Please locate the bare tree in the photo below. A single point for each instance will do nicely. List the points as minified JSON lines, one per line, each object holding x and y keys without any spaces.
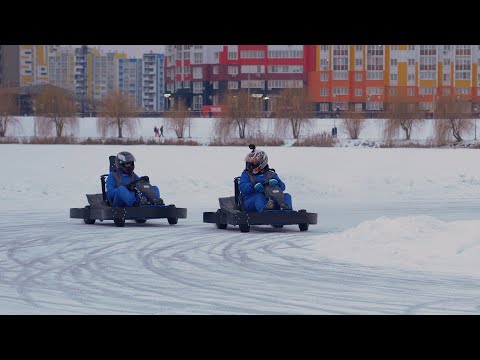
{"x":353,"y":123}
{"x":293,"y":110}
{"x":8,"y":108}
{"x":117,"y":113}
{"x":55,"y":110}
{"x":401,"y":114}
{"x":237,"y":114}
{"x":453,"y":117}
{"x":178,"y":118}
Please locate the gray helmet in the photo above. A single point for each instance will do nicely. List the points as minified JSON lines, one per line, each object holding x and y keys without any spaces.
{"x":125,"y":162}
{"x":256,"y":161}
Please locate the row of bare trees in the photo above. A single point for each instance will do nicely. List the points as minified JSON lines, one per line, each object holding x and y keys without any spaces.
{"x":292,"y":111}
{"x":8,"y":106}
{"x":56,"y":112}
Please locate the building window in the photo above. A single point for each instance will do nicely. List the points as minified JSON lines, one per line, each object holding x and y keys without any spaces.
{"x":232,"y":55}
{"x":358,"y":77}
{"x":324,"y":92}
{"x":340,"y":91}
{"x":197,"y":73}
{"x":323,"y":77}
{"x":197,"y":87}
{"x":340,"y":75}
{"x":216,"y":70}
{"x":233,"y":85}
{"x":233,"y":70}
{"x":358,"y":92}
{"x":198,"y":58}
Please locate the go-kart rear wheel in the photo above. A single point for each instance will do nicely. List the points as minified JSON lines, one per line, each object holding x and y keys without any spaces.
{"x":140,"y":221}
{"x":244,"y":227}
{"x":119,"y":222}
{"x":172,"y":220}
{"x":221,"y":226}
{"x":303,"y":227}
{"x":88,"y":221}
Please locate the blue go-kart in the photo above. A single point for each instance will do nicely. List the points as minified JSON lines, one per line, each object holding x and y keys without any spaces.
{"x":100,"y":208}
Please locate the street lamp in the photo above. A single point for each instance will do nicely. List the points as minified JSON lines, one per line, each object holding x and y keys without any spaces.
{"x":189,"y":120}
{"x":334,"y":109}
{"x":248,"y":87}
{"x":475,"y":121}
{"x":34,"y":122}
{"x":167,"y":100}
{"x":266,"y":98}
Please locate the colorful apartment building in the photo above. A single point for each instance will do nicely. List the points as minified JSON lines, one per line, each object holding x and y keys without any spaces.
{"x":61,"y":67}
{"x":153,"y":82}
{"x":199,"y":74}
{"x":364,"y":77}
{"x":102,"y":72}
{"x":129,"y":79}
{"x":22,"y":65}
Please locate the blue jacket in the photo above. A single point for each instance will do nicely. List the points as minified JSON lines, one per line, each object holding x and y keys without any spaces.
{"x":111,"y":183}
{"x":245,"y":185}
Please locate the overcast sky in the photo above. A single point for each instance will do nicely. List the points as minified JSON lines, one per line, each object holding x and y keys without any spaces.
{"x":133,"y":50}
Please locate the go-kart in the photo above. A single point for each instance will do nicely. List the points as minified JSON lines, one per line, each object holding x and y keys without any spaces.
{"x":151,"y":207}
{"x":232,"y":212}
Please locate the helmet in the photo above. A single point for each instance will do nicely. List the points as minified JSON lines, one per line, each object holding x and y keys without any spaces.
{"x":256,"y":161}
{"x":125,"y":162}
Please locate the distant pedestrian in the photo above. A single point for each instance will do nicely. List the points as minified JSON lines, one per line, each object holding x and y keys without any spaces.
{"x":161,"y":131}
{"x":209,"y":113}
{"x":155,"y":131}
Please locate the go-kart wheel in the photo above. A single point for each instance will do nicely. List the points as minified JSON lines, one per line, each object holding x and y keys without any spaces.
{"x":88,"y":221}
{"x":119,"y":222}
{"x":172,"y":220}
{"x":244,"y":227}
{"x":221,"y":226}
{"x":303,"y":227}
{"x":140,"y":221}
{"x":277,"y":226}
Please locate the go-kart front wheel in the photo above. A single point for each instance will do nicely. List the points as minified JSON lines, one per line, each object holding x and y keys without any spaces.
{"x":244,"y":227}
{"x":172,"y":220}
{"x":119,"y":222}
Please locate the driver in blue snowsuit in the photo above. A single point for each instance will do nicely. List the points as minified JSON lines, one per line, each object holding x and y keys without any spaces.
{"x":120,"y":182}
{"x":250,"y":185}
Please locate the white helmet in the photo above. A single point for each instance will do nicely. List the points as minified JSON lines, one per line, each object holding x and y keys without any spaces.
{"x":256,"y":161}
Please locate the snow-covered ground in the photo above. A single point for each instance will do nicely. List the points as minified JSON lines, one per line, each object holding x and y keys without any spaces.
{"x":398,"y":232}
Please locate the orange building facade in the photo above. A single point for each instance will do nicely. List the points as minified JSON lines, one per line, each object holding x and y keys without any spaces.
{"x":363,"y":77}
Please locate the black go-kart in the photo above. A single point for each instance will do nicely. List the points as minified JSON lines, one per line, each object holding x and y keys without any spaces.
{"x":151,"y":206}
{"x":232,"y":212}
